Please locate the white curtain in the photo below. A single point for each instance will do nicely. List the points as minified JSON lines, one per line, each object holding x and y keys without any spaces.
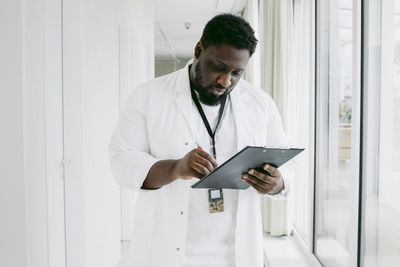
{"x":301,"y":116}
{"x":276,"y":44}
{"x":253,"y":72}
{"x":278,"y":39}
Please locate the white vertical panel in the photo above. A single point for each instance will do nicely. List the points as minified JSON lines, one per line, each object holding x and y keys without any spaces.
{"x":125,"y":86}
{"x":370,"y":131}
{"x":91,"y":105}
{"x":33,"y":104}
{"x":73,"y":31}
{"x":386,"y":195}
{"x":54,"y":133}
{"x":12,"y":185}
{"x":301,"y":123}
{"x":96,"y":80}
{"x":136,"y":42}
{"x":34,"y":132}
{"x":39,"y":143}
{"x":100,"y":113}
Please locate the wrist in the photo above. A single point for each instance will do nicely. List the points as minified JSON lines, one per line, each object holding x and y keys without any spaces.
{"x":278,"y":188}
{"x":175,"y":169}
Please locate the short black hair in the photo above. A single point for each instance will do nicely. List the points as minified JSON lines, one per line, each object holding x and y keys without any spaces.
{"x":229,"y":29}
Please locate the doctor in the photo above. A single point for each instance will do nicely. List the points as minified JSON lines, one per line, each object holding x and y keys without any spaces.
{"x":180,"y":127}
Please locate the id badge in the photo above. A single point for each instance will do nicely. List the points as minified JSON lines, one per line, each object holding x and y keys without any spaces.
{"x":215,"y":200}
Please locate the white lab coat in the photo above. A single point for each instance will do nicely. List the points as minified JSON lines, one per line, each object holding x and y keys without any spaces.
{"x":157,"y":123}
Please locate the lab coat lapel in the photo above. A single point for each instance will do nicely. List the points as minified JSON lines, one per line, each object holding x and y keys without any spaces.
{"x":183,"y":99}
{"x":239,"y":114}
{"x":245,"y":197}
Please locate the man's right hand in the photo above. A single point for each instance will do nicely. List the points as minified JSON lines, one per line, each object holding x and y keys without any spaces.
{"x":197,"y":163}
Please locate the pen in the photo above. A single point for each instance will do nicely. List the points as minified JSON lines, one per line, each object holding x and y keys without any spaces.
{"x":198,"y":146}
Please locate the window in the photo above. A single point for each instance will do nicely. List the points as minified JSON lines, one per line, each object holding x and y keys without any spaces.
{"x":357,"y":69}
{"x":381,"y":213}
{"x":338,"y":127}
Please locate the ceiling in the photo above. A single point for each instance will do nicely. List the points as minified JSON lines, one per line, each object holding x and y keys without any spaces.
{"x":172,"y":38}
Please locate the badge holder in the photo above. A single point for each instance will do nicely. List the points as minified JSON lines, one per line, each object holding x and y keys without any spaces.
{"x":215,"y":200}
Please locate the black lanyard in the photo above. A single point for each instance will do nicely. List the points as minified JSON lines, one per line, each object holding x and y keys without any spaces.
{"x":204,"y":118}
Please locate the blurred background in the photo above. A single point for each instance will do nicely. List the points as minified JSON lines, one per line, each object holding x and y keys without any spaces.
{"x":67,"y":66}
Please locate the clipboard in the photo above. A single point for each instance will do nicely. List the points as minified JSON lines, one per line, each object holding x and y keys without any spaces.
{"x":229,"y":174}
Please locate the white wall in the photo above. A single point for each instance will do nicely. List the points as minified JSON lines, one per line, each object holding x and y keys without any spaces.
{"x":32,"y":150}
{"x":12,"y":184}
{"x":91,"y":106}
{"x":56,"y":103}
{"x":108,"y":49}
{"x":136,"y":24}
{"x":43,"y":151}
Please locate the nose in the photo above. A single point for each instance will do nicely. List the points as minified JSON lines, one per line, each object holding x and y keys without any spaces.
{"x":225,"y":80}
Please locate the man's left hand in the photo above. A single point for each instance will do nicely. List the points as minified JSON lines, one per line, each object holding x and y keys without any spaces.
{"x":264,"y":183}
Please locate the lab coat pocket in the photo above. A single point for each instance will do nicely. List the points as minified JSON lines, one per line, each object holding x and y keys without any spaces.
{"x":147,"y":199}
{"x":143,"y":225}
{"x":145,"y":210}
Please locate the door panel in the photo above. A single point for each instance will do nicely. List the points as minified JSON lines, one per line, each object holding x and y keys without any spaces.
{"x":91,"y":106}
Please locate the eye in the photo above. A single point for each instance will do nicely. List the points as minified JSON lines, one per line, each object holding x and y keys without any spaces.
{"x":219,"y":68}
{"x":237,"y":73}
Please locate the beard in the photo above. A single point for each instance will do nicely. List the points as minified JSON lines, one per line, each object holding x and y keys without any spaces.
{"x":205,"y":94}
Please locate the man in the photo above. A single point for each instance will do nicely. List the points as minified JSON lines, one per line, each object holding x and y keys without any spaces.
{"x":180,"y":127}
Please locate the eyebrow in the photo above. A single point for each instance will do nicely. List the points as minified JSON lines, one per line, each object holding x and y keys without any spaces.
{"x":219,"y":62}
{"x":216,"y":61}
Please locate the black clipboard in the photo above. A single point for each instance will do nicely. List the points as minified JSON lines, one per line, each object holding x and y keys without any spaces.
{"x":229,"y":174}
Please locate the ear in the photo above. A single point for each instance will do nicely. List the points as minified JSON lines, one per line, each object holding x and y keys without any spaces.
{"x":198,"y":49}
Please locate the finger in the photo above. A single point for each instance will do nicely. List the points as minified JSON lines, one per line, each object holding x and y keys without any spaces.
{"x":257,"y":187}
{"x":261,"y":176}
{"x":205,"y":162}
{"x":272,"y":170}
{"x":207,"y":156}
{"x":196,"y":174}
{"x":255,"y":180}
{"x":200,"y":169}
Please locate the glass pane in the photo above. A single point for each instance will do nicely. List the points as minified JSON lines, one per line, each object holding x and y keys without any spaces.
{"x":381,"y":231}
{"x":389,"y":169}
{"x":337,"y":176}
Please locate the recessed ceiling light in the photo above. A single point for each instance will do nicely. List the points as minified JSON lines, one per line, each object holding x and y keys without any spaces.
{"x":187,"y":25}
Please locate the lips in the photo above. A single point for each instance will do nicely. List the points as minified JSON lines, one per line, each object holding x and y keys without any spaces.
{"x":218,"y":92}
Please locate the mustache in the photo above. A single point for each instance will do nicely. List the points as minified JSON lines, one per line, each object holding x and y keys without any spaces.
{"x":218,"y":86}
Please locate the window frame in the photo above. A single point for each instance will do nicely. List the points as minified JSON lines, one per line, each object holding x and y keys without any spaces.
{"x":322,"y":80}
